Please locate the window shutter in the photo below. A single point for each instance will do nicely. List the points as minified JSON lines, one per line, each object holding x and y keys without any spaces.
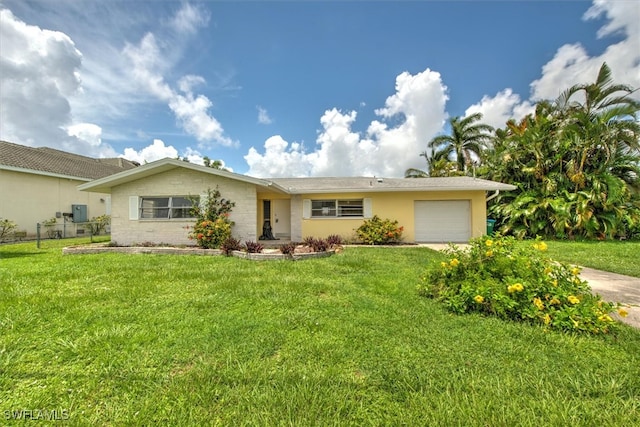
{"x":133,"y":207}
{"x":203,"y":200}
{"x":306,"y":208}
{"x":367,"y":208}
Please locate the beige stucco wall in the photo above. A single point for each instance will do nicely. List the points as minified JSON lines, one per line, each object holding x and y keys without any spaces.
{"x":395,"y":206}
{"x":179,"y":182}
{"x":27,"y":199}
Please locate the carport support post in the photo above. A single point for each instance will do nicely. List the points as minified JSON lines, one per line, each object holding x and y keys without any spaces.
{"x":38,"y":235}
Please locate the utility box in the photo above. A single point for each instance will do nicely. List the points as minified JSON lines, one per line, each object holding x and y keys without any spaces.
{"x":79,"y":213}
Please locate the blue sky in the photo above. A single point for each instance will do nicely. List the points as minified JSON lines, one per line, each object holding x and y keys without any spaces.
{"x":324,"y":88}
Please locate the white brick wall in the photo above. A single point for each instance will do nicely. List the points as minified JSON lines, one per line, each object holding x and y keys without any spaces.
{"x":179,"y":182}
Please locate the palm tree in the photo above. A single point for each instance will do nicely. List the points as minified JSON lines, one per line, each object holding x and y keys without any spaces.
{"x":437,"y":165}
{"x":467,"y":139}
{"x":215,"y":164}
{"x":576,"y":162}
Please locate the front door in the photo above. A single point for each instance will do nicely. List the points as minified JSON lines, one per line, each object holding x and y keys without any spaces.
{"x":281,"y":218}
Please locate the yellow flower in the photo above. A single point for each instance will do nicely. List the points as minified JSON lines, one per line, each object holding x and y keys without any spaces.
{"x":538,"y":303}
{"x":572,"y":299}
{"x":517,"y":287}
{"x":605,"y":318}
{"x":489,"y":253}
{"x":546,"y":319}
{"x":489,"y":243}
{"x":576,"y":281}
{"x":622,"y":312}
{"x":541,"y":246}
{"x":554,"y":301}
{"x":443,"y":264}
{"x":555,"y":282}
{"x":547,"y":270}
{"x":454,"y":262}
{"x":575,"y":271}
{"x":479,"y":299}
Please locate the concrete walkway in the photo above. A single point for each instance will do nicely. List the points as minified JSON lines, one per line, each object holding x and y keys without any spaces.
{"x":610,"y":286}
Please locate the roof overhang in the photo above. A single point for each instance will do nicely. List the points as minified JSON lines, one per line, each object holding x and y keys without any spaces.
{"x":389,"y":185}
{"x":104,"y":185}
{"x":42,"y":173}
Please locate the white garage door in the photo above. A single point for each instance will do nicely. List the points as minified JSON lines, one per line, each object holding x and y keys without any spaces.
{"x":443,"y":220}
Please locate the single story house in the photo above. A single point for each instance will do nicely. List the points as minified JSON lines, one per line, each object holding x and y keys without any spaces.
{"x":149,"y":204}
{"x":41,"y":183}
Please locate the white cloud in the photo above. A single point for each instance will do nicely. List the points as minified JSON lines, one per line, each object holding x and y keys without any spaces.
{"x":40,"y":73}
{"x":189,"y":18}
{"x":88,"y":132}
{"x":418,"y":102}
{"x":151,"y":153}
{"x":280,"y":159}
{"x":263,"y":116}
{"x":497,"y":110}
{"x":191,"y":111}
{"x":573,"y":65}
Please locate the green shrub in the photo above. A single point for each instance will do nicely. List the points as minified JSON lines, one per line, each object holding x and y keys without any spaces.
{"x":6,"y":227}
{"x":213,"y":226}
{"x":499,"y":278}
{"x":376,"y":231}
{"x":99,"y":224}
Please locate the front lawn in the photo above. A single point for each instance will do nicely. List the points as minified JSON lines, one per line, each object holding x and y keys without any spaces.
{"x":185,"y":340}
{"x":615,"y":256}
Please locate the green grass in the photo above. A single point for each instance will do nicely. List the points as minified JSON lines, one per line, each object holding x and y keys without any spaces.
{"x":176,"y":340}
{"x":617,"y":257}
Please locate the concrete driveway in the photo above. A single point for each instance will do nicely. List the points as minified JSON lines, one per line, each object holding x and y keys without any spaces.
{"x":611,"y":287}
{"x":616,"y":288}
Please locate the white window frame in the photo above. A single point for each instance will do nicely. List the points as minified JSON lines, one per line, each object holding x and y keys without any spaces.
{"x":171,"y":210}
{"x":336,"y":208}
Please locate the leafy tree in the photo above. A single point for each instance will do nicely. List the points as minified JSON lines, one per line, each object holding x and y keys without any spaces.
{"x":438,"y":164}
{"x":213,"y":226}
{"x":6,"y":227}
{"x":215,"y":164}
{"x":576,"y":163}
{"x":466,"y":141}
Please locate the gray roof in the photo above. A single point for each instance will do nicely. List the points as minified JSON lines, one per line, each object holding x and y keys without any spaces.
{"x":48,"y":161}
{"x":309,"y":185}
{"x":373,"y":184}
{"x":104,"y":185}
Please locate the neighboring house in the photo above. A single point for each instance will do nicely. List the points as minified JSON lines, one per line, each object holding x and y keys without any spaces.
{"x":38,"y":184}
{"x":148,"y":204}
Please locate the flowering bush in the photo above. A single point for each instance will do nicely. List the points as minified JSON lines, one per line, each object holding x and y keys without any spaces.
{"x":517,"y":282}
{"x":376,"y":231}
{"x":213,"y":226}
{"x":211,"y":234}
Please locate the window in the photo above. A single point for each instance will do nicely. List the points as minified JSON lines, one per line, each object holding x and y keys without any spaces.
{"x":172,"y":207}
{"x":336,"y":208}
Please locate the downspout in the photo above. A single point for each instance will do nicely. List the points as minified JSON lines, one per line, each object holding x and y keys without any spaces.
{"x":493,"y":196}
